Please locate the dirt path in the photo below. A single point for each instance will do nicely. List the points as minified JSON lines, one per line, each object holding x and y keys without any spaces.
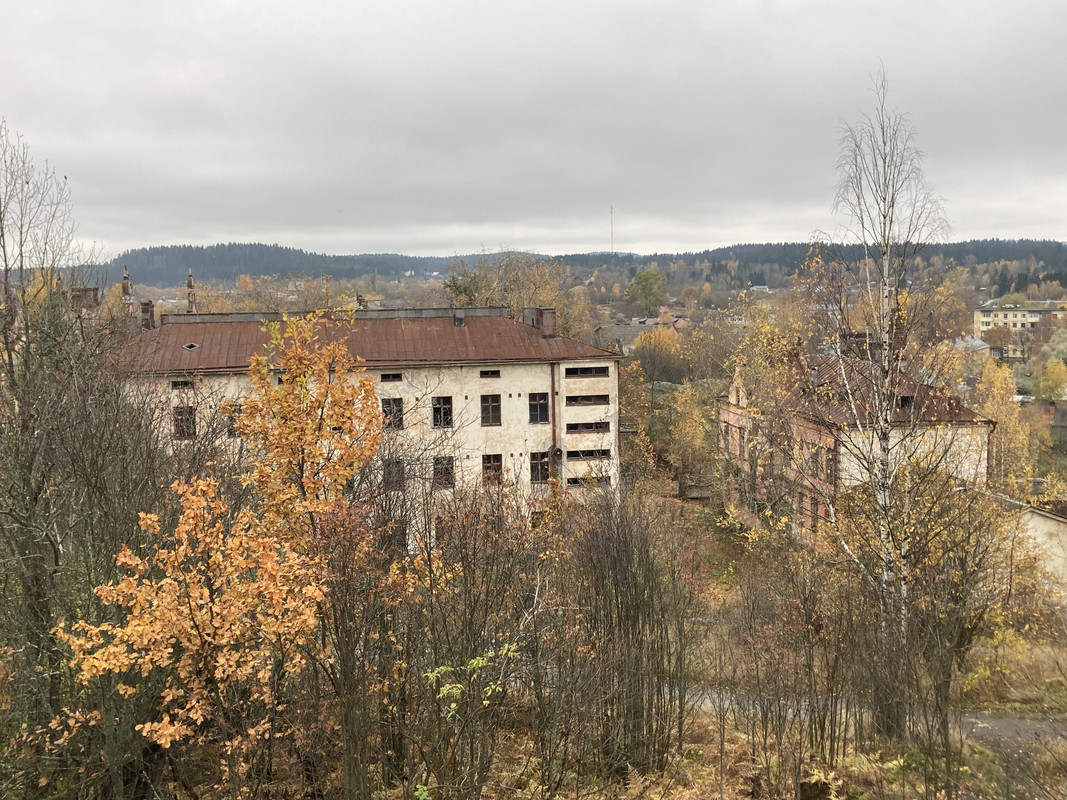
{"x":1021,"y":744}
{"x":991,"y":728}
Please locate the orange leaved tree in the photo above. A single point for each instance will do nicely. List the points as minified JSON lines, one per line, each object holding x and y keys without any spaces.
{"x":310,"y":422}
{"x":224,"y":608}
{"x":229,"y":605}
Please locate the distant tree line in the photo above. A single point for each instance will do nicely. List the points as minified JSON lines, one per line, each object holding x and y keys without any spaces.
{"x":743,"y":264}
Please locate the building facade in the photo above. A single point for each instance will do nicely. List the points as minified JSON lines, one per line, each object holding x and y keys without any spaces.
{"x":1021,"y":322}
{"x":468,"y":395}
{"x":821,"y":440}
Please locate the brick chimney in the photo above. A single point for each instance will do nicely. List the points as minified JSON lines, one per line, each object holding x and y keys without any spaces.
{"x":544,"y":319}
{"x":148,"y":315}
{"x":191,"y":293}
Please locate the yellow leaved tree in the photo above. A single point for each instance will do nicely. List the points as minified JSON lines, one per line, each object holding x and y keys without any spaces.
{"x":1016,"y":440}
{"x":310,"y":422}
{"x":229,"y":604}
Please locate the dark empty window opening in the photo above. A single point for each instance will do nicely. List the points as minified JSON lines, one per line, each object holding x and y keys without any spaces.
{"x":588,"y":427}
{"x":392,"y":377}
{"x":592,"y":480}
{"x":587,"y":372}
{"x":587,"y":399}
{"x":392,"y":474}
{"x":393,"y":409}
{"x":587,"y":455}
{"x":490,"y":409}
{"x":232,"y":411}
{"x":190,"y":346}
{"x":442,"y":411}
{"x":905,"y":401}
{"x":444,"y":472}
{"x":538,"y":407}
{"x":492,"y":467}
{"x":538,"y":467}
{"x":181,"y":384}
{"x":184,"y":422}
{"x":489,"y":373}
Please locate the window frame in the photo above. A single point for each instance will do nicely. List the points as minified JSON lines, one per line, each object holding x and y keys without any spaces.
{"x":394,"y":419}
{"x":444,"y":472}
{"x":183,"y":420}
{"x":538,"y":403}
{"x":539,"y":466}
{"x":596,"y":454}
{"x":587,"y":372}
{"x":589,"y":481}
{"x":492,"y":468}
{"x":588,"y":400}
{"x":597,"y":426}
{"x":491,"y":416}
{"x":232,"y":413}
{"x":441,"y":409}
{"x":394,"y":474}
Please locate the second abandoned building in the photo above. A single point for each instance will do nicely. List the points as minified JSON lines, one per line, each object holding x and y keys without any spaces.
{"x":819,"y":437}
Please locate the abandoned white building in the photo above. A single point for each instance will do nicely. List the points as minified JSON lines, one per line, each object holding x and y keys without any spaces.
{"x":468,"y":394}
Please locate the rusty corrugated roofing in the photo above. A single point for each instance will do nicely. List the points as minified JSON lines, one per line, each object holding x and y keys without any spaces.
{"x":227,"y":345}
{"x":846,"y":388}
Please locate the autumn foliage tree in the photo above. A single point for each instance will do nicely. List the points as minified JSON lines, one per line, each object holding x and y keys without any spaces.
{"x":519,"y":280}
{"x":228,"y":605}
{"x":1014,"y":443}
{"x":648,"y":290}
{"x":310,"y":420}
{"x":224,"y":609}
{"x":878,"y":308}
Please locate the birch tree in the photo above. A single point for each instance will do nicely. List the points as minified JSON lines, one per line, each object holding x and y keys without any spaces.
{"x":875,"y":310}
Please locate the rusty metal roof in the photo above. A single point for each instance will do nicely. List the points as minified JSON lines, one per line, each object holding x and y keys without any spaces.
{"x":224,"y":344}
{"x":846,"y":393}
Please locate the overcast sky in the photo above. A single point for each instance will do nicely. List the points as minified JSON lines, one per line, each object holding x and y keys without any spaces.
{"x":442,"y":127}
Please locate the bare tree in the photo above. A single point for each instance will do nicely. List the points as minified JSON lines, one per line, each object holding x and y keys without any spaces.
{"x":79,"y":457}
{"x":877,"y":307}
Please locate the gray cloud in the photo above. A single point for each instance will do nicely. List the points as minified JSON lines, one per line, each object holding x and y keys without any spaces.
{"x":428,"y":127}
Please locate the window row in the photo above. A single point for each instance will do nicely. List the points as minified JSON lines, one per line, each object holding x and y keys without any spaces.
{"x":394,"y":473}
{"x":184,"y":417}
{"x":441,"y":411}
{"x":570,"y":372}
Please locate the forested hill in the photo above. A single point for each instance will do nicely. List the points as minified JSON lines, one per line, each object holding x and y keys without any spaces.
{"x":168,"y":266}
{"x":758,"y":263}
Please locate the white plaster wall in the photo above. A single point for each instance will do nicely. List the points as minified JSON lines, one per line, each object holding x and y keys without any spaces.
{"x":467,"y":440}
{"x":961,"y":450}
{"x":1050,"y":534}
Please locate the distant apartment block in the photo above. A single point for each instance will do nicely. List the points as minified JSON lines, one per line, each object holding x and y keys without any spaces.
{"x":1020,"y":321}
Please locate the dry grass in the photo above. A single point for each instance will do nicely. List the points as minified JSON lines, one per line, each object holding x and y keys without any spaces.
{"x":1029,"y":677}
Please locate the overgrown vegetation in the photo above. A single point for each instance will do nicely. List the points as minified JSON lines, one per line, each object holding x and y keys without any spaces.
{"x":279,"y":625}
